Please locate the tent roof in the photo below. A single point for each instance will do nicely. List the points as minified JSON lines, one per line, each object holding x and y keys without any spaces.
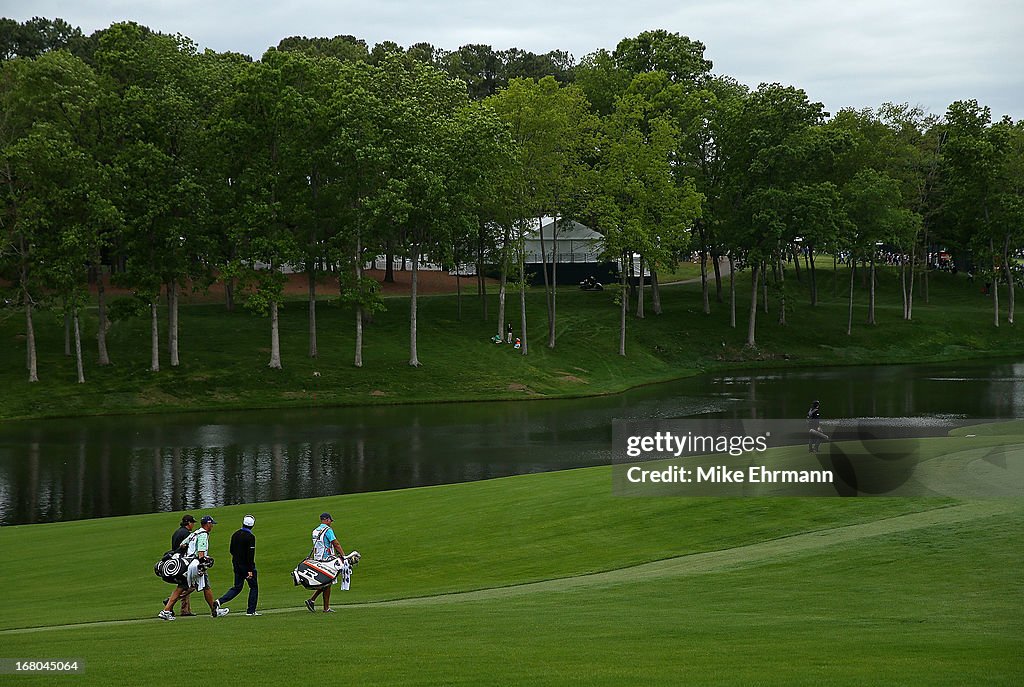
{"x":567,"y":229}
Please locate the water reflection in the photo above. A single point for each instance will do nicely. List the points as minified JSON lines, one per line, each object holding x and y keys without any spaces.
{"x":71,"y":469}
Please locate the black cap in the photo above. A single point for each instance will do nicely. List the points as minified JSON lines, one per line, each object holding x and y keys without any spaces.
{"x":187,"y":518}
{"x":208,"y":519}
{"x":326,"y":516}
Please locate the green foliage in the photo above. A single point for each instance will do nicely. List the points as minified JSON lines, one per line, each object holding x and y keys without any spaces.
{"x":129,"y":307}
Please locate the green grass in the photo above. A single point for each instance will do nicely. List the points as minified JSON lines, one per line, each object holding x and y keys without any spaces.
{"x":224,"y":354}
{"x":872,"y":602}
{"x":684,"y":271}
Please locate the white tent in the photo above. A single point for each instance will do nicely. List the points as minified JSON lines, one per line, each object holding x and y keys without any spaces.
{"x":576,"y":243}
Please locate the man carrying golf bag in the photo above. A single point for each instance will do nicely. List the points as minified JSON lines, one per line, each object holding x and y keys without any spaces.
{"x":325,"y":564}
{"x":195,"y":575}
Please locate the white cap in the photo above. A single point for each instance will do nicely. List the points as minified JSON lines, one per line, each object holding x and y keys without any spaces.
{"x":248,"y":521}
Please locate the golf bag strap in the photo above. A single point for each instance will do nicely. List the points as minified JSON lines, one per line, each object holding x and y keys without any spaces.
{"x":183,"y":546}
{"x":312,"y":551}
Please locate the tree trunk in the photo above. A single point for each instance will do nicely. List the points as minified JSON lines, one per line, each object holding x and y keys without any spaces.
{"x":104,"y":324}
{"x":849,"y":319}
{"x":481,"y":279}
{"x":655,"y":293}
{"x":796,"y":260}
{"x":67,"y":327}
{"x":903,"y":286}
{"x":752,"y":322}
{"x":414,"y":360}
{"x":640,"y":292}
{"x":358,"y":266}
{"x":924,"y":276}
{"x":704,"y":281}
{"x":389,"y":265}
{"x":172,"y":320}
{"x":782,"y":292}
{"x":703,"y":266}
{"x":311,"y":272}
{"x":995,"y":285}
{"x":835,"y":275}
{"x":764,"y":285}
{"x":30,"y":341}
{"x":871,"y":293}
{"x":814,"y":276}
{"x":458,"y":292}
{"x":154,"y":329}
{"x":716,"y":260}
{"x":522,"y":301}
{"x":1009,"y":278}
{"x":229,"y":294}
{"x":910,"y":288}
{"x":544,"y":268}
{"x":78,"y":348}
{"x":554,"y":282}
{"x":503,"y":282}
{"x":275,"y":339}
{"x":732,"y":292}
{"x":633,"y":283}
{"x":622,"y":309}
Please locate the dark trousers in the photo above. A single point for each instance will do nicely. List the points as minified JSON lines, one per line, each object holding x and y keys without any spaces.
{"x":241,"y":577}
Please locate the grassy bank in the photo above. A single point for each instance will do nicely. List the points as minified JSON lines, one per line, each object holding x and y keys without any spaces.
{"x":549,"y":579}
{"x":224,"y":354}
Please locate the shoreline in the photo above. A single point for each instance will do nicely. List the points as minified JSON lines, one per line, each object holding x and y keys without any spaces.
{"x":383,"y":401}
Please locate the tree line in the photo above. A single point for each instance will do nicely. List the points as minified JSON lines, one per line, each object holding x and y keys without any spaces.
{"x":136,"y":150}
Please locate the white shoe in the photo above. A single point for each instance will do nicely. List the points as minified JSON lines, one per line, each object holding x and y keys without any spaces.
{"x":254,"y":613}
{"x":165,"y":615}
{"x":221,"y":612}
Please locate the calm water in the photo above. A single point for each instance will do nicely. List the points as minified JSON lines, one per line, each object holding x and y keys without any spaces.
{"x":83,"y":468}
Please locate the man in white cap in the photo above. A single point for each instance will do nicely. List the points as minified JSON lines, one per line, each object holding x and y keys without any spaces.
{"x":243,"y":559}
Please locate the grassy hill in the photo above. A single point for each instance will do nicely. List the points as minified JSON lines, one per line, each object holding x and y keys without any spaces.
{"x":224,"y":354}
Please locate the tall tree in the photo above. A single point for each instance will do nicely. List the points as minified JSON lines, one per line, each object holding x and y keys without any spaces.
{"x":419,"y":171}
{"x":983,"y":200}
{"x":551,"y":125}
{"x":632,"y":197}
{"x":874,"y":207}
{"x":156,"y":81}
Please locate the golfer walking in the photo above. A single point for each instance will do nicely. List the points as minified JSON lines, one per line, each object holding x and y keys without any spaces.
{"x":243,"y":560}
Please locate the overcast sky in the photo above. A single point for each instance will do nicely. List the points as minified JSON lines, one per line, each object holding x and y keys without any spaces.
{"x":844,"y":53}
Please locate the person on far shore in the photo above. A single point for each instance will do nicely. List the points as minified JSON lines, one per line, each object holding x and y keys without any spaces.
{"x":814,"y":434}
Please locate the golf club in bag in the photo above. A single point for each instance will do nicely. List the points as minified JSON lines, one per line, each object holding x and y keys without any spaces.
{"x":314,"y":574}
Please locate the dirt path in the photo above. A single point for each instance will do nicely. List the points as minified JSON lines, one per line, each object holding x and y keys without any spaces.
{"x":737,"y":558}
